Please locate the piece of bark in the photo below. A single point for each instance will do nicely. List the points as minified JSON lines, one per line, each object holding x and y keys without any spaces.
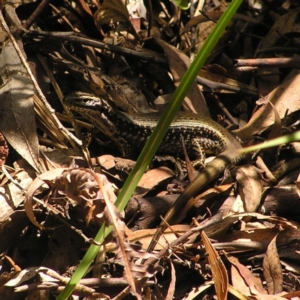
{"x":145,"y":212}
{"x":283,"y":201}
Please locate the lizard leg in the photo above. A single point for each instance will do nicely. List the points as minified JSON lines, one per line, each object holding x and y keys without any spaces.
{"x":198,"y":153}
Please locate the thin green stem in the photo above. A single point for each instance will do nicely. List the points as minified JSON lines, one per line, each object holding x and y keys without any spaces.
{"x":293,"y":137}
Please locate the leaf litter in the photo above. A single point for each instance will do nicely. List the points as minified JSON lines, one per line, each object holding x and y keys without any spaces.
{"x":244,"y":237}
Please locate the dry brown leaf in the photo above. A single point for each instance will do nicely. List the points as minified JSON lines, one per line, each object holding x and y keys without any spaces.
{"x":290,"y":295}
{"x":145,"y":236}
{"x":126,"y":94}
{"x":243,"y":280}
{"x":266,"y":297}
{"x":284,"y":200}
{"x":268,"y":175}
{"x":78,"y":185}
{"x":218,"y":224}
{"x":272,"y":269}
{"x":35,"y":185}
{"x":285,"y":98}
{"x":196,"y":291}
{"x":298,"y":185}
{"x":107,"y":161}
{"x":11,"y":196}
{"x":210,"y":193}
{"x":171,"y":288}
{"x":233,"y":291}
{"x":261,"y":237}
{"x":284,"y":169}
{"x":17,"y":106}
{"x":238,"y":281}
{"x":215,"y":191}
{"x":59,"y":158}
{"x":281,"y":222}
{"x":144,"y":212}
{"x":276,"y":129}
{"x":85,"y":7}
{"x":142,"y":271}
{"x":212,"y":15}
{"x":111,"y":11}
{"x":250,"y":187}
{"x":218,"y":269}
{"x":95,"y":81}
{"x":179,"y":62}
{"x":155,"y":176}
{"x":284,"y":26}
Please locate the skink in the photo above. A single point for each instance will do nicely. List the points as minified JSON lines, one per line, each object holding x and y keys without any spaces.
{"x":130,"y":132}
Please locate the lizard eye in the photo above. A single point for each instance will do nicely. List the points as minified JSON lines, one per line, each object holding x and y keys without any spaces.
{"x":90,"y":101}
{"x":86,"y":100}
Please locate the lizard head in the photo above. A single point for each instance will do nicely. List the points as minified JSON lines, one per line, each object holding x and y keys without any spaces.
{"x":84,"y":102}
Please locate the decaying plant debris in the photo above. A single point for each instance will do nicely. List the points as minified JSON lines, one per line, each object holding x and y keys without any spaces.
{"x":61,"y":176}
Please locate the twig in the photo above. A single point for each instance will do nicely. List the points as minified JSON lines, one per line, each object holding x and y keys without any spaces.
{"x":41,"y":7}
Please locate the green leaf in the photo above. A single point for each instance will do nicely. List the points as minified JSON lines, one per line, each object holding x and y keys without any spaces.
{"x":293,"y":137}
{"x":183,"y":4}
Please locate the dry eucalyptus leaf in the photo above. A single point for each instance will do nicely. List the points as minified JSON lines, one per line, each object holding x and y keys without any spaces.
{"x":285,"y":26}
{"x":23,"y":276}
{"x":243,"y":280}
{"x":59,"y":158}
{"x":219,"y":272}
{"x":250,"y":187}
{"x":144,"y":236}
{"x":179,"y":63}
{"x":267,"y":297}
{"x":112,"y":11}
{"x":261,"y":237}
{"x":94,"y":79}
{"x":198,"y":19}
{"x":126,"y":94}
{"x":35,"y":185}
{"x":171,"y":289}
{"x":17,"y":120}
{"x":285,"y":98}
{"x":272,"y":269}
{"x":11,"y":196}
{"x":276,"y":130}
{"x":155,"y":176}
{"x":298,"y":185}
{"x":238,"y":281}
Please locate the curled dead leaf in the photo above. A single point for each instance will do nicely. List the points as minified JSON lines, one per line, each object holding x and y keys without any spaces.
{"x":35,"y":185}
{"x":80,"y":188}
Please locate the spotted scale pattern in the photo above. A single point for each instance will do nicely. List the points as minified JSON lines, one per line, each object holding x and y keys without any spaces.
{"x":130,"y":132}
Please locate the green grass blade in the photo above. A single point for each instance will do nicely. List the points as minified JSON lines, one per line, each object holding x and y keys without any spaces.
{"x":293,"y":137}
